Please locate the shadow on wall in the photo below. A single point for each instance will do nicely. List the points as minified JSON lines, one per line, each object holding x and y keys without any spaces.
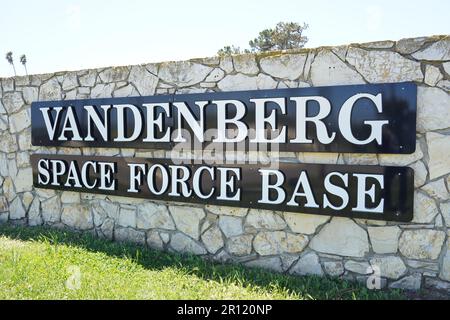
{"x":306,"y":287}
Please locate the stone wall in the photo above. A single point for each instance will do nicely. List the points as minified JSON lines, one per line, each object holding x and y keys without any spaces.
{"x":408,"y":255}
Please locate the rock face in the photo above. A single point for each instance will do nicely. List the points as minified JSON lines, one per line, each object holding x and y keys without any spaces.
{"x":341,"y":237}
{"x":304,"y":223}
{"x":421,"y":244}
{"x":383,"y":66}
{"x":425,"y":209}
{"x":308,"y":264}
{"x":445,"y":272}
{"x":151,"y":215}
{"x":264,"y":219}
{"x":213,"y":240}
{"x":437,"y":51}
{"x":384,"y":239}
{"x":390,"y":267}
{"x":183,"y":73}
{"x":184,"y":244}
{"x":412,"y":255}
{"x":289,"y":66}
{"x":12,"y":101}
{"x":187,"y":220}
{"x":277,"y":242}
{"x":439,"y":163}
{"x":432,"y":111}
{"x":327,"y":70}
{"x":78,"y":217}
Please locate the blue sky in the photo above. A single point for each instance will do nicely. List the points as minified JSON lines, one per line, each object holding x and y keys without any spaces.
{"x":61,"y":35}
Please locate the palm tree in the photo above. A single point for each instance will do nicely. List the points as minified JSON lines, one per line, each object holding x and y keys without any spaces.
{"x":23,"y":60}
{"x":9,"y":57}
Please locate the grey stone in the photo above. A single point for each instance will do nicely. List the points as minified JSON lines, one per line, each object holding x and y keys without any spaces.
{"x":30,"y":94}
{"x":70,"y":197}
{"x":187,"y":219}
{"x":126,"y":91}
{"x":77,"y":216}
{"x":445,"y":270}
{"x":436,"y":284}
{"x":69,"y":81}
{"x":264,"y":219}
{"x":445,"y":210}
{"x":246,"y":64}
{"x":425,"y":209}
{"x":420,"y":173}
{"x":432,"y":109}
{"x":4,"y":207}
{"x":226,"y":64}
{"x":342,"y":237}
{"x":412,"y":282}
{"x":212,"y":239}
{"x":270,"y":263}
{"x":410,"y":45}
{"x":16,"y":209}
{"x":114,"y":74}
{"x":277,"y":242}
{"x":420,"y":264}
{"x":439,"y":162}
{"x":287,"y":66}
{"x":184,"y":244}
{"x":386,"y":44}
{"x":230,"y":226}
{"x":129,"y":235}
{"x":183,"y":73}
{"x":437,"y":51}
{"x":152,"y":215}
{"x":304,"y":223}
{"x":333,"y":268}
{"x":383,"y":66}
{"x":432,"y":75}
{"x":384,"y":239}
{"x":437,"y":189}
{"x":34,"y":213}
{"x":391,"y":267}
{"x":9,"y":142}
{"x":361,"y":267}
{"x":13,"y":101}
{"x":102,"y":90}
{"x":50,"y":90}
{"x":240,"y":245}
{"x":88,"y":80}
{"x":24,"y":180}
{"x":154,"y":240}
{"x":51,"y":210}
{"x":215,"y":75}
{"x":144,"y":81}
{"x":228,"y":211}
{"x":421,"y":243}
{"x":308,"y":264}
{"x":127,"y":216}
{"x":328,"y":69}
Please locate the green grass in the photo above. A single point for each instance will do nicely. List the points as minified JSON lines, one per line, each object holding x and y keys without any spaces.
{"x":43,"y":263}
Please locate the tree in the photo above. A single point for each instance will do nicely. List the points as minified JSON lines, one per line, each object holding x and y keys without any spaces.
{"x":285,"y":35}
{"x":9,"y":57}
{"x":229,"y":50}
{"x":23,"y":60}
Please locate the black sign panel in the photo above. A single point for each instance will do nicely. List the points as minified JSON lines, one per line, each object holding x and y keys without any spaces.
{"x":375,"y":118}
{"x":369,"y":192}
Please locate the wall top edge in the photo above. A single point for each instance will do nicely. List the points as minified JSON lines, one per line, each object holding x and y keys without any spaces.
{"x":381,"y":45}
